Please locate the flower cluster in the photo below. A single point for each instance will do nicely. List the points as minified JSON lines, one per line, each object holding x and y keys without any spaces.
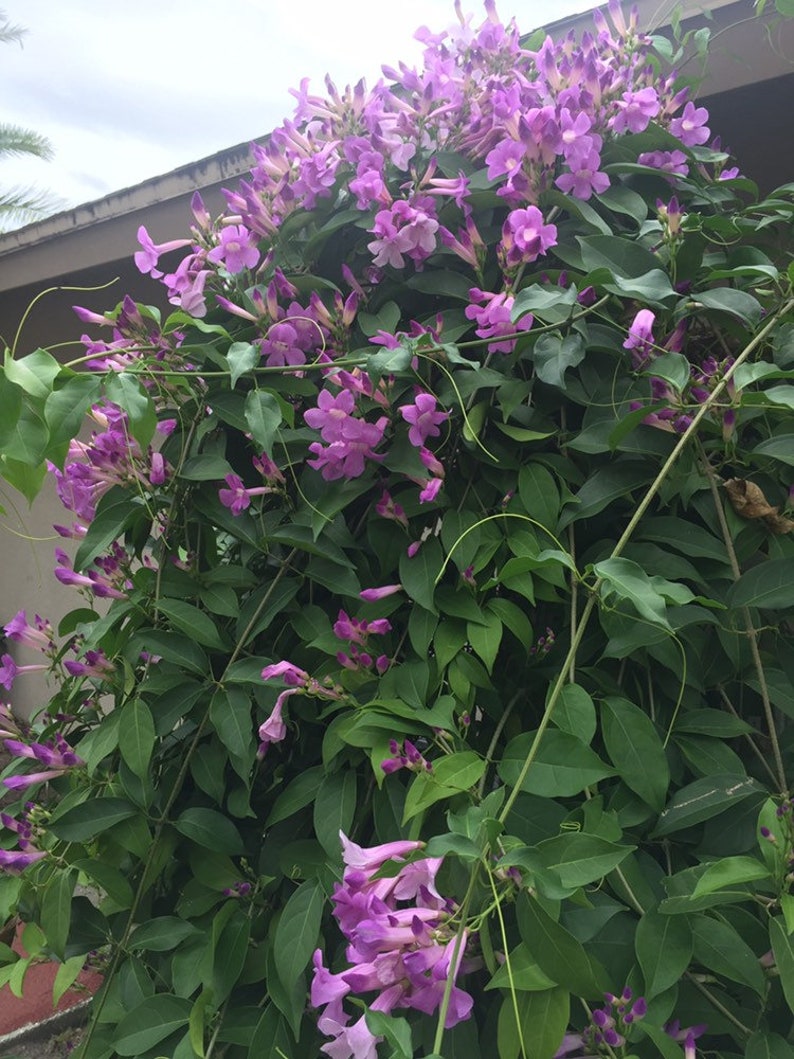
{"x":608,"y":1028}
{"x":357,"y":632}
{"x":56,"y":755}
{"x":16,"y":860}
{"x":111,"y":457}
{"x":404,"y":952}
{"x":298,"y":682}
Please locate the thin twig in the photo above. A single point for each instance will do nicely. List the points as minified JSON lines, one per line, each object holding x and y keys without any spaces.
{"x":752,"y":632}
{"x":751,"y":742}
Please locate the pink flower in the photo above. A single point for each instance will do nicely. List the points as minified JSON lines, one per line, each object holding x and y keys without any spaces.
{"x":236,"y":251}
{"x":147,"y":257}
{"x":369,"y":860}
{"x":290,"y":674}
{"x":371,"y":595}
{"x":691,"y":128}
{"x":525,"y":237}
{"x":274,"y":730}
{"x":640,"y":337}
{"x":424,"y":418}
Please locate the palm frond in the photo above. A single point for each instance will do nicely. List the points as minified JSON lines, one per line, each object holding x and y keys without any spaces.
{"x":8,"y":32}
{"x":20,"y":206}
{"x":14,"y":140}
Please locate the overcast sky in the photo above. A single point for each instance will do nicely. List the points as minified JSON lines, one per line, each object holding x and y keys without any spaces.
{"x":128,"y":90}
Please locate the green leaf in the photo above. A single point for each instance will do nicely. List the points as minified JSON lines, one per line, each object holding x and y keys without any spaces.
{"x":230,"y":955}
{"x":553,"y":355}
{"x":539,"y":494}
{"x":564,"y":765}
{"x":485,"y":638}
{"x":579,"y":859}
{"x":170,"y":646}
{"x":334,"y":810}
{"x":128,"y":393}
{"x":543,"y":1019}
{"x":297,"y":931}
{"x":150,"y":1022}
{"x":205,"y":468}
{"x":673,"y":368}
{"x":34,"y":373}
{"x":783,"y":949}
{"x":603,"y":488}
{"x":523,"y":972}
{"x":136,"y":736}
{"x":115,"y":511}
{"x":209,"y":829}
{"x":703,"y":799}
{"x":626,"y":580}
{"x":66,"y":976}
{"x":575,"y":713}
{"x":162,"y":934}
{"x":395,"y":1030}
{"x":461,"y":770}
{"x":736,"y":302}
{"x":56,"y":910}
{"x":636,"y":750}
{"x":720,"y":948}
{"x":90,"y":819}
{"x":764,"y":1044}
{"x":189,"y":619}
{"x":230,"y":714}
{"x":623,"y":257}
{"x":25,"y":477}
{"x":537,"y":298}
{"x":664,"y":949}
{"x":559,"y":954}
{"x":425,"y":791}
{"x":263,"y":416}
{"x":242,"y":356}
{"x":300,"y":793}
{"x":110,"y":879}
{"x":65,"y":408}
{"x":418,"y":575}
{"x":729,"y":872}
{"x":769,"y":585}
{"x":780,"y":447}
{"x":270,"y":1039}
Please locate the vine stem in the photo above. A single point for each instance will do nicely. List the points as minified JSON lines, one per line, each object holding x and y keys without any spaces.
{"x":750,"y":741}
{"x":752,"y":632}
{"x":707,"y":993}
{"x":160,"y":825}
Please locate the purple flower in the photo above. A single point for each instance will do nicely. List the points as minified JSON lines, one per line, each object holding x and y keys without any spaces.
{"x":640,"y":338}
{"x":585,"y":179}
{"x":353,"y":1042}
{"x":635,"y":110}
{"x":147,"y":257}
{"x":371,"y":595}
{"x":673,"y":162}
{"x":369,"y":860}
{"x":15,"y":861}
{"x":290,"y":674}
{"x":424,"y":418}
{"x":403,"y":230}
{"x":494,"y":319}
{"x":274,"y":730}
{"x":691,"y":128}
{"x":525,"y":237}
{"x":20,"y":631}
{"x":236,"y":250}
